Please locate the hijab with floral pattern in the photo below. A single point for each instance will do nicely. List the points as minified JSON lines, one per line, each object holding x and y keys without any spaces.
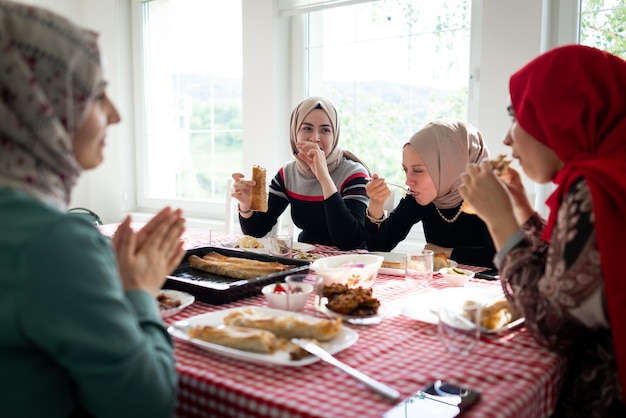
{"x":336,"y":153}
{"x":49,"y":70}
{"x":572,"y":99}
{"x":447,"y":146}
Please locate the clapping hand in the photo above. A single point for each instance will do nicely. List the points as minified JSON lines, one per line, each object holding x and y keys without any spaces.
{"x":146,"y":257}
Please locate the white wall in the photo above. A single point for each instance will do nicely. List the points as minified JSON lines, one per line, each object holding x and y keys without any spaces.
{"x":509,"y":36}
{"x":108,"y":190}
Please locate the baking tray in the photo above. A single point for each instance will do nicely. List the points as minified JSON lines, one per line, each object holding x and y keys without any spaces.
{"x":216,"y":289}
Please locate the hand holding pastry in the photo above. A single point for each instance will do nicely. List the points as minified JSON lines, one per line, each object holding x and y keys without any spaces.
{"x":241,"y":192}
{"x":522,"y":206}
{"x":491,"y":200}
{"x":500,"y":167}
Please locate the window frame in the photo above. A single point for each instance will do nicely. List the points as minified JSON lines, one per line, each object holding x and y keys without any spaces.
{"x":277,"y":75}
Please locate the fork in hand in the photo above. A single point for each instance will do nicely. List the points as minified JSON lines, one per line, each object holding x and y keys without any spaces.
{"x":405,"y":190}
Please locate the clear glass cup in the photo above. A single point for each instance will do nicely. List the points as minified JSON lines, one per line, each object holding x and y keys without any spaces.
{"x":419,"y":267}
{"x":280,"y":245}
{"x":459,"y":324}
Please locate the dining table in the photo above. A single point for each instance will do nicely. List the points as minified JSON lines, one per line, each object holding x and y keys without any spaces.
{"x":515,"y":376}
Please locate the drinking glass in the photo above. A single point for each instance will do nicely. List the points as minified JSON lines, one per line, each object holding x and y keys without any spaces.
{"x":459,"y":324}
{"x":419,"y":267}
{"x":280,"y":245}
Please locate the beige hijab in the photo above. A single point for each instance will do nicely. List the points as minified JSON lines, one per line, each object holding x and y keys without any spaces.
{"x":336,"y":153}
{"x":447,"y":146}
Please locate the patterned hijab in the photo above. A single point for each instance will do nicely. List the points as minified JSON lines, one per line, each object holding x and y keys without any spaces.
{"x":572,"y":99}
{"x":447,"y":146}
{"x":49,"y":69}
{"x":336,"y":153}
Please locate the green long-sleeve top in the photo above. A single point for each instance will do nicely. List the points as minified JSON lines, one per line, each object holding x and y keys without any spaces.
{"x":71,"y":338}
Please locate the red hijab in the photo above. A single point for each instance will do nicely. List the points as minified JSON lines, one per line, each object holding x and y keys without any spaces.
{"x":573,"y":100}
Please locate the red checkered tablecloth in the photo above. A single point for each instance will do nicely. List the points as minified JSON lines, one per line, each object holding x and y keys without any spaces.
{"x":515,"y":377}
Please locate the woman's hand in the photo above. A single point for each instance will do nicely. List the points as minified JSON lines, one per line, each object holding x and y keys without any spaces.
{"x":314,"y":156}
{"x":521,"y":204}
{"x":378,"y":192}
{"x":491,"y":199}
{"x":146,"y":266}
{"x":241,"y":192}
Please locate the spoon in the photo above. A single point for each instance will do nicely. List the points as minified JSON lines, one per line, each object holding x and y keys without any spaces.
{"x":405,"y":191}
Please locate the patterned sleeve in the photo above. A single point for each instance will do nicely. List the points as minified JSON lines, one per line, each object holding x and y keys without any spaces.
{"x":558,"y":285}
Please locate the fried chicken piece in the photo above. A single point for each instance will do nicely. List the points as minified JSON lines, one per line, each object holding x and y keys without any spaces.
{"x":335,"y":289}
{"x":343,"y":303}
{"x":353,"y":302}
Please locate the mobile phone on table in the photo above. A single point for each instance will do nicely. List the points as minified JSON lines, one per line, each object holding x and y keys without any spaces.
{"x":438,"y":399}
{"x":491,"y":274}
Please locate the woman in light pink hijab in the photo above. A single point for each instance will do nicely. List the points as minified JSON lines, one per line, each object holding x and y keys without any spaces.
{"x":324,"y":185}
{"x":433,"y":160}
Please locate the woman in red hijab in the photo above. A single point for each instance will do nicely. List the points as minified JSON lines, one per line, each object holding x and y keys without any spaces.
{"x":569,"y":127}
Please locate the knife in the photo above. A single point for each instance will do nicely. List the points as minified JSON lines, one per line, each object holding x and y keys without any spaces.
{"x":389,"y":392}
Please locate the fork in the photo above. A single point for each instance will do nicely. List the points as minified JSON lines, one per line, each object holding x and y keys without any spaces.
{"x":405,"y":190}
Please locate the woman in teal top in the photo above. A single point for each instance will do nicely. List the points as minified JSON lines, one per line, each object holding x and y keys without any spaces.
{"x":81,"y":332}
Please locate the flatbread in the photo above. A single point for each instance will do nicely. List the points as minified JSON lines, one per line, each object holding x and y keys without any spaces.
{"x":285,"y":326}
{"x":236,"y":267}
{"x":246,"y":339}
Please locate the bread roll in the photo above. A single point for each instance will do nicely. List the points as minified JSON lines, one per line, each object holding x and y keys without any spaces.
{"x":500,"y":164}
{"x":497,"y":315}
{"x":258,"y":193}
{"x":440,"y":261}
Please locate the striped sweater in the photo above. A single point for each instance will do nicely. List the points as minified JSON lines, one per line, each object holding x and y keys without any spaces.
{"x":338,"y":220}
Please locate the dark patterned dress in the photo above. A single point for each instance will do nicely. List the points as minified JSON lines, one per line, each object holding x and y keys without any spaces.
{"x":559,"y":288}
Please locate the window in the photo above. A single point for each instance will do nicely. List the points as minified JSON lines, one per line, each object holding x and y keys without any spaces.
{"x":390,"y":67}
{"x":603,"y":25}
{"x":192,"y":101}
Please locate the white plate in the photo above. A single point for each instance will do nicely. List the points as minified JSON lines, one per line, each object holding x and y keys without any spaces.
{"x":354,"y":320}
{"x":185,"y":300}
{"x":343,"y":340}
{"x":297,"y":246}
{"x":424,"y":307}
{"x":398,"y":258}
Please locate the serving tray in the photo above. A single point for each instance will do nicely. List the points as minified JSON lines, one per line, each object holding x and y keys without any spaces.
{"x":217,"y":289}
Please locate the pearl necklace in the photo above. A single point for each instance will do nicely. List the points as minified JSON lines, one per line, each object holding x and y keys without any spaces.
{"x":446,"y":219}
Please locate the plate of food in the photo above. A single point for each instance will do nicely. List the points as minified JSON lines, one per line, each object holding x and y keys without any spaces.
{"x":306,"y":256}
{"x":261,"y":335}
{"x":498,"y":314}
{"x":260,"y":245}
{"x":172,"y":302}
{"x":356,"y":306}
{"x":393,"y":264}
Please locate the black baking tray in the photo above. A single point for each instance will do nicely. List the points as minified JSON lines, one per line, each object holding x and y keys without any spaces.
{"x":218,"y":290}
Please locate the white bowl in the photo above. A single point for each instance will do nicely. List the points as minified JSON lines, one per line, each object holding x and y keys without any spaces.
{"x":456,"y":277}
{"x":353,"y":270}
{"x":296,"y":301}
